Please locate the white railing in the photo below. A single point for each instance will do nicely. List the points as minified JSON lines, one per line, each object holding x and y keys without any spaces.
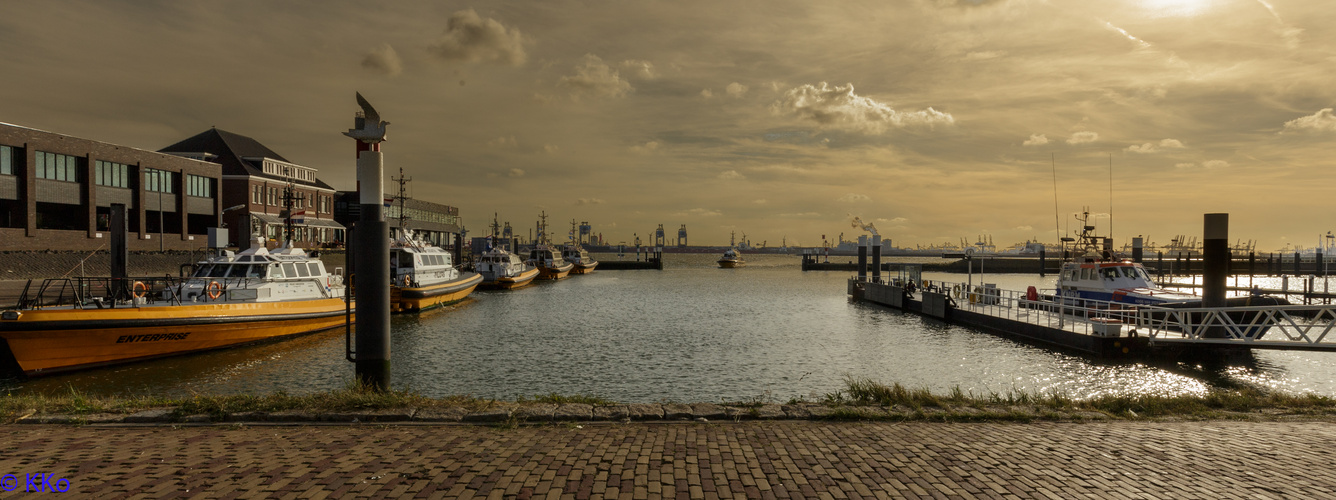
{"x":1270,"y":327}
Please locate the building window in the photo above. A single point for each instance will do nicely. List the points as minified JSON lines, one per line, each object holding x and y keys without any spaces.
{"x":159,"y":181}
{"x":198,"y":185}
{"x":57,"y":167}
{"x":107,"y":173}
{"x":255,"y":194}
{"x":6,"y":160}
{"x":273,"y":197}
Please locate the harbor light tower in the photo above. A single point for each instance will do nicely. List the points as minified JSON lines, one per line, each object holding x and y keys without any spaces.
{"x":371,"y":251}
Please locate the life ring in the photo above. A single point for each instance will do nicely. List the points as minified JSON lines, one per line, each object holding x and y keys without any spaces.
{"x":956,"y":291}
{"x":407,"y":280}
{"x":214,"y":289}
{"x":139,"y":289}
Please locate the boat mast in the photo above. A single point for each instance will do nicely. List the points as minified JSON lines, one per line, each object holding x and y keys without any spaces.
{"x":402,"y":199}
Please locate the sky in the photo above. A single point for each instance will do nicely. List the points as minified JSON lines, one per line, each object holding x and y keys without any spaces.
{"x":935,"y":120}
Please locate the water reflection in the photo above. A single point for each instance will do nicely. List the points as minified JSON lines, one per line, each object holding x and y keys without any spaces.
{"x":691,"y":332}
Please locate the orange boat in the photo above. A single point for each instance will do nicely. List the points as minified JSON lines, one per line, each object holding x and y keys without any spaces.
{"x":424,"y":276}
{"x":231,"y":299}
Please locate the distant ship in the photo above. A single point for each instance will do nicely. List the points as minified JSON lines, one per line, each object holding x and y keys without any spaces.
{"x":579,"y":258}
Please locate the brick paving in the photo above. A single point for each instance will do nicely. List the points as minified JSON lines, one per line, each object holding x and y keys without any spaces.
{"x":778,"y":459}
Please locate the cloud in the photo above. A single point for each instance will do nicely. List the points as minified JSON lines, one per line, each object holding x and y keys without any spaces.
{"x":802,"y":214}
{"x":702,"y":212}
{"x":593,"y":77}
{"x":896,"y":220}
{"x":647,"y":147}
{"x":1210,"y":164}
{"x":1024,"y":228}
{"x":855,"y":198}
{"x":470,"y":38}
{"x":589,"y":201}
{"x":642,"y":69}
{"x":503,"y":143}
{"x":1036,"y":140}
{"x":736,"y":90}
{"x":1322,"y":121}
{"x":551,"y":148}
{"x":383,"y":60}
{"x":1083,"y":137}
{"x":731,"y":175}
{"x":515,"y":172}
{"x":707,"y":93}
{"x":985,"y":55}
{"x":760,"y":201}
{"x":1151,"y":147}
{"x":840,"y":108}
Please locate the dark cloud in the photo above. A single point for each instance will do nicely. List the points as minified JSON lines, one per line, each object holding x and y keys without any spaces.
{"x":383,"y":60}
{"x":471,"y":38}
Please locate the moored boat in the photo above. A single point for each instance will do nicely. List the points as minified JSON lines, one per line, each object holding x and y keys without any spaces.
{"x":501,"y":269}
{"x":732,"y":257}
{"x":579,"y":258}
{"x":424,"y":276}
{"x":230,"y":299}
{"x":549,"y":263}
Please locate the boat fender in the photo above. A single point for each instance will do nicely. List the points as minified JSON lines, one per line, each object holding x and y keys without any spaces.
{"x":956,"y":291}
{"x":215,"y":290}
{"x":139,"y":289}
{"x":1032,"y":293}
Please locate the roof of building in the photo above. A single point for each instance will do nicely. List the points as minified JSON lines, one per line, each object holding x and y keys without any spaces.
{"x":232,"y":151}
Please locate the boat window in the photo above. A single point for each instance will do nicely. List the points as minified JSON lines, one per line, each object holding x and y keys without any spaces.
{"x":275,"y":271}
{"x":315,"y":268}
{"x":302,"y":270}
{"x":254,"y":271}
{"x":218,"y":271}
{"x":289,"y":270}
{"x":1110,"y":273}
{"x":237,"y":271}
{"x":203,"y":271}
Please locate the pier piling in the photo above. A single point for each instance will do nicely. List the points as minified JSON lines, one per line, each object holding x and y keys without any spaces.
{"x":372,"y":282}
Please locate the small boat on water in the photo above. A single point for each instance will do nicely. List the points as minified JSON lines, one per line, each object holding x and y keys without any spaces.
{"x":1097,"y":278}
{"x":424,"y":276}
{"x":550,"y":264}
{"x":732,"y":257}
{"x":581,"y":262}
{"x":230,"y":299}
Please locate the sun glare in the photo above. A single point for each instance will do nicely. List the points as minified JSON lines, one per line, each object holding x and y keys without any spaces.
{"x":1166,"y":8}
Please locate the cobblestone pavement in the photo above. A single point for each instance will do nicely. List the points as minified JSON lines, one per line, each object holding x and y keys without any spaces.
{"x":785,"y":459}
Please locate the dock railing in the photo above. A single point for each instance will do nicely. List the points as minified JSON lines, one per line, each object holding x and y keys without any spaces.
{"x":1299,"y":327}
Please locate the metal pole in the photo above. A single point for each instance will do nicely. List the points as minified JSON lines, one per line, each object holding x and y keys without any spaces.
{"x":372,"y":253}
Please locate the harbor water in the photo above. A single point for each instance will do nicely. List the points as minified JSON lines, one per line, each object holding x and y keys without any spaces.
{"x":689,"y":333}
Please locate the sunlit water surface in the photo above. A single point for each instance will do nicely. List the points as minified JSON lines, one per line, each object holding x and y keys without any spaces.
{"x":691,"y":332}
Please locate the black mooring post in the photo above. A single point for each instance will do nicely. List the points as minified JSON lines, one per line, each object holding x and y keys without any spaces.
{"x":862,"y":258}
{"x":1215,"y":264}
{"x":1297,"y":271}
{"x":876,"y":258}
{"x":373,"y":253}
{"x":1042,"y":265}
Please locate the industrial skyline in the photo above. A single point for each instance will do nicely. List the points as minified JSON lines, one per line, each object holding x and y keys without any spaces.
{"x":935,"y":120}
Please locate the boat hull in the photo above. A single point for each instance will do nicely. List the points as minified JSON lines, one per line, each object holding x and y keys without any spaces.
{"x":554,"y":273}
{"x":47,"y":341}
{"x":510,"y":282}
{"x":729,"y":264}
{"x":583,"y":268}
{"x":415,"y":299}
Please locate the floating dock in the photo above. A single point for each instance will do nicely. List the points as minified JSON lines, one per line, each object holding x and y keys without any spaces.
{"x":1109,"y":329}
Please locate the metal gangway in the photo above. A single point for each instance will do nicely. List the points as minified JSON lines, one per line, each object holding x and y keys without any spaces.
{"x":1291,"y":327}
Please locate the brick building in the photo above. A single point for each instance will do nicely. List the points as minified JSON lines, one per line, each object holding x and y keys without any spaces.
{"x":56,"y":192}
{"x":254,"y":179}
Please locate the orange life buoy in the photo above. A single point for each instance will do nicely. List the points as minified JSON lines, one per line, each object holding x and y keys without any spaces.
{"x":214,"y":290}
{"x":139,"y":289}
{"x":407,"y":279}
